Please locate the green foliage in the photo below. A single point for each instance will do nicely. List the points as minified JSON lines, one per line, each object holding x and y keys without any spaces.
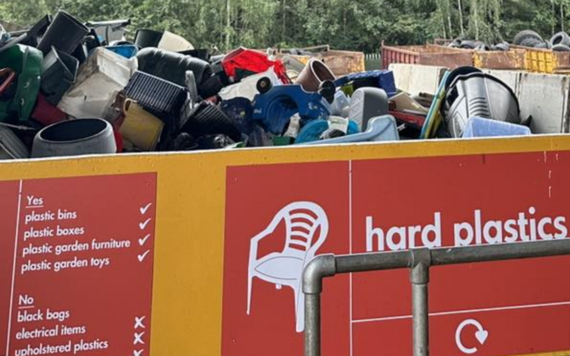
{"x":345,"y":24}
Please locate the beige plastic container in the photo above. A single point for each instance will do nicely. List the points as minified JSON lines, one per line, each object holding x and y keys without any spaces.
{"x":99,"y":78}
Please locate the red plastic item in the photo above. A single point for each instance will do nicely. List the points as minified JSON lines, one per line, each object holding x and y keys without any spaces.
{"x":9,"y":75}
{"x":252,"y":61}
{"x":118,"y":138}
{"x":45,"y":113}
{"x":412,"y":119}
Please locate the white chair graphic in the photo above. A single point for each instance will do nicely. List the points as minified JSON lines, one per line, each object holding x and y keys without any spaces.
{"x":306,"y":227}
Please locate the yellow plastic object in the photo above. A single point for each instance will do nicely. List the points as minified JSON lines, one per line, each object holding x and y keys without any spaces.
{"x":140,"y":127}
{"x":434,"y":117}
{"x":302,"y":59}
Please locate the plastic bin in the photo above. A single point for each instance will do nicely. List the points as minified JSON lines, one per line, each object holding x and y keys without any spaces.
{"x":482,"y":127}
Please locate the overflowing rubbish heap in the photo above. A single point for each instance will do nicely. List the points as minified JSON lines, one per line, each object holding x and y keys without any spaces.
{"x":70,"y":88}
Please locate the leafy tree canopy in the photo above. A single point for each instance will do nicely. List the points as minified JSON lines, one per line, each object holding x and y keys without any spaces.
{"x":344,"y":24}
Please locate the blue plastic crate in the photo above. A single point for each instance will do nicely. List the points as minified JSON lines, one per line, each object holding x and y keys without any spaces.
{"x":386,"y":80}
{"x":480,"y":127}
{"x":127,"y":51}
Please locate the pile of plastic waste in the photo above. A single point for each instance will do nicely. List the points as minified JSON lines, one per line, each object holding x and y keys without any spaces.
{"x":71,"y":88}
{"x":74,"y":88}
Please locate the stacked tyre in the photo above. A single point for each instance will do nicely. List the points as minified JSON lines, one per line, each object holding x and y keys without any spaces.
{"x":560,"y":42}
{"x":478,"y":45}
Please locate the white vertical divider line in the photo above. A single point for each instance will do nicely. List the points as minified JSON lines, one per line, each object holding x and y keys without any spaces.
{"x":350,"y":250}
{"x":11,"y":310}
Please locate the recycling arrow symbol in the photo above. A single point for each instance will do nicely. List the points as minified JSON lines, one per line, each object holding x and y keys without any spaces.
{"x":481,"y":335}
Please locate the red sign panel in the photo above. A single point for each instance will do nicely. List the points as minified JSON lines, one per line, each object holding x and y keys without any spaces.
{"x":279,"y":217}
{"x":76,"y":257}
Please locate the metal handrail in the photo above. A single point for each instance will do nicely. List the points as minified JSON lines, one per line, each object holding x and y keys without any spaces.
{"x":419,"y":262}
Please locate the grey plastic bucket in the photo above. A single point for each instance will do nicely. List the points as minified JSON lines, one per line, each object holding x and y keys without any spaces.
{"x":75,"y":137}
{"x":480,"y":95}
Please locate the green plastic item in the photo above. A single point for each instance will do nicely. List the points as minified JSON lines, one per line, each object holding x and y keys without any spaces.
{"x":26,"y":61}
{"x":282,"y":141}
{"x":348,"y":90}
{"x":434,"y":117}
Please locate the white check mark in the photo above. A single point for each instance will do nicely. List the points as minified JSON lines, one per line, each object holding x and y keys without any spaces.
{"x":144,"y":209}
{"x":143,"y":240}
{"x":143,"y":225}
{"x":143,"y":256}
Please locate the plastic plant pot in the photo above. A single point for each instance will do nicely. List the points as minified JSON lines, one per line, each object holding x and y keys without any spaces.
{"x":148,"y":38}
{"x":59,"y":71}
{"x":172,"y":66}
{"x":65,"y":33}
{"x":74,"y":138}
{"x":314,"y":74}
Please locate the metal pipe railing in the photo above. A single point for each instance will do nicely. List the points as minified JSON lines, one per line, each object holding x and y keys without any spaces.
{"x":419,"y":262}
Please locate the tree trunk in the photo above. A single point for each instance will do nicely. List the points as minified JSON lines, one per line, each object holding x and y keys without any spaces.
{"x":461,"y":17}
{"x":476,"y":18}
{"x":444,"y":25}
{"x":229,"y":24}
{"x":450,"y":28}
{"x":553,"y":14}
{"x":562,"y":15}
{"x":344,"y":20}
{"x":284,"y":23}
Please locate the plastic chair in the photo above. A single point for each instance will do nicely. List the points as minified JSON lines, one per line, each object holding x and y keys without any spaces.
{"x":307,"y":227}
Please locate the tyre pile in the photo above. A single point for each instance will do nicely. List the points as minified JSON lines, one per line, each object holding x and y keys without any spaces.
{"x":560,"y":42}
{"x":479,"y":45}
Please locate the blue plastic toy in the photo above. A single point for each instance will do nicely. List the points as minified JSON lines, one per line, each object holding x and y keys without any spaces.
{"x":275,"y":108}
{"x":240,"y":111}
{"x":313,"y":131}
{"x":384,"y":79}
{"x":380,"y":129}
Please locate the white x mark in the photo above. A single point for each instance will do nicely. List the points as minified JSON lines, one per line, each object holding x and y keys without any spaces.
{"x":138,"y":353}
{"x":139,"y":322}
{"x":138,"y":338}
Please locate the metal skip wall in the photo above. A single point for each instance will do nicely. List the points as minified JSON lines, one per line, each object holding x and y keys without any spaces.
{"x":204,"y":221}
